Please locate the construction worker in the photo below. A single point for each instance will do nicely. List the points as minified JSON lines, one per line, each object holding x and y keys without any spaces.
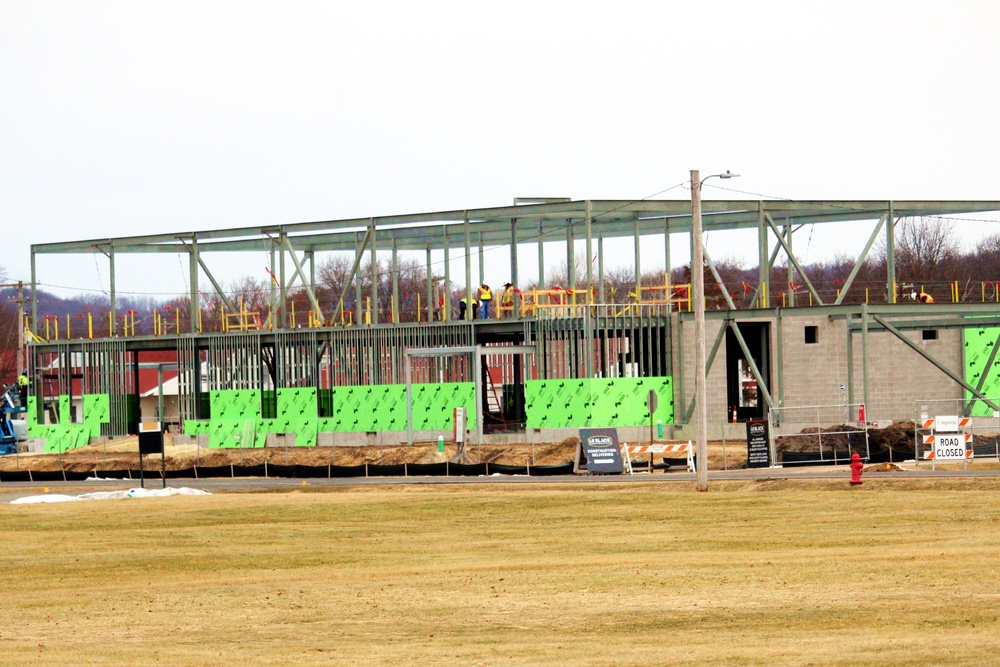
{"x":485,"y":299}
{"x":507,"y":299}
{"x":23,"y":388}
{"x":925,"y":298}
{"x":463,"y":306}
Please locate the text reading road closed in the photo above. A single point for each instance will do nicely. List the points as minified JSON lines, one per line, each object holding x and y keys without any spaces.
{"x":949,"y":447}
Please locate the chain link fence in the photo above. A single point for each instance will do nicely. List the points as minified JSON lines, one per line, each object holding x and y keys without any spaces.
{"x":819,"y":434}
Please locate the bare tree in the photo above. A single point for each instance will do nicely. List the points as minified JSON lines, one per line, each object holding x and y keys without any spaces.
{"x":927,"y":250}
{"x":334,"y":276}
{"x":985,"y":264}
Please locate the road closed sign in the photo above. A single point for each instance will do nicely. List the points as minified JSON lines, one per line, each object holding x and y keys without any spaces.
{"x":949,"y":447}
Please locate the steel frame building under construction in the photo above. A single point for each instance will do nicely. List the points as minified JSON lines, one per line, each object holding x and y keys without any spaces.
{"x":554,"y":364}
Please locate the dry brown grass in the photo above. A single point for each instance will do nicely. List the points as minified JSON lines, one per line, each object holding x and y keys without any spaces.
{"x":753,"y":573}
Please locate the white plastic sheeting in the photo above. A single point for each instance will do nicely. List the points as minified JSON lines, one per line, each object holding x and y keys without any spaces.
{"x":110,"y":495}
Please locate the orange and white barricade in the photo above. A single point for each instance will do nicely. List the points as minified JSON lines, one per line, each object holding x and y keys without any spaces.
{"x":683,"y":448}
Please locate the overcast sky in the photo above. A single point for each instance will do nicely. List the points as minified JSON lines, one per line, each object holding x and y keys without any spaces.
{"x":137,"y":117}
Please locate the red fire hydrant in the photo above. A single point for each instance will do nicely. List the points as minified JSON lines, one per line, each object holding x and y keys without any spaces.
{"x":856,"y":467}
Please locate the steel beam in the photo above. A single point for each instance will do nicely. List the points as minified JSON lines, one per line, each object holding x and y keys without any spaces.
{"x":791,"y":258}
{"x":860,"y":261}
{"x":718,"y":279}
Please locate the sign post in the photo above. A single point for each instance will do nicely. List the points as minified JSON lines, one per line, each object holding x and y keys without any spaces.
{"x":758,"y":444}
{"x":458,"y":435}
{"x":651,"y":402}
{"x":151,"y":442}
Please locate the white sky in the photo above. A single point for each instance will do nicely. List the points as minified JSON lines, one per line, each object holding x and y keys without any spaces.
{"x":136,"y":117}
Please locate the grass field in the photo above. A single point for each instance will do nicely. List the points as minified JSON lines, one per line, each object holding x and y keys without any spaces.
{"x":752,"y":573}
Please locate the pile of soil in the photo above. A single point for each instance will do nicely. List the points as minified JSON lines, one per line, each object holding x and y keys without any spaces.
{"x":845,"y":437}
{"x":122,"y":454}
{"x":899,"y":436}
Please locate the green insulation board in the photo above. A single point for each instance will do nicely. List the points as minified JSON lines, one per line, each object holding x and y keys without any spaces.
{"x":379,"y":408}
{"x":67,"y":435}
{"x":600,"y":402}
{"x":31,"y":413}
{"x":96,"y":411}
{"x":235,"y":404}
{"x":355,"y":410}
{"x":65,"y":418}
{"x":434,"y":404}
{"x":979,"y":346}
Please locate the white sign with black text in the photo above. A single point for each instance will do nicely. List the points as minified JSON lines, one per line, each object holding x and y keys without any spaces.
{"x":949,"y":447}
{"x":946,"y":424}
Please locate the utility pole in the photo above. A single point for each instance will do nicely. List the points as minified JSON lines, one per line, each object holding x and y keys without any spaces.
{"x":22,"y":354}
{"x":698,"y":286}
{"x":21,"y":357}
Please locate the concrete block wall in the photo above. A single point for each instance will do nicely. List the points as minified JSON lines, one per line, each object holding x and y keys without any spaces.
{"x":899,"y":377}
{"x":812,"y":373}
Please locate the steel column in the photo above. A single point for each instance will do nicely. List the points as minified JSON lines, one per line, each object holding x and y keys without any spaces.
{"x":890,"y":256}
{"x":468,"y":272}
{"x":374,"y":272}
{"x":590,"y":251}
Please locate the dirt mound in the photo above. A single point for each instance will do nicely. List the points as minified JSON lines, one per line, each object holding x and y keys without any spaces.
{"x":844,"y":437}
{"x":883,"y":467}
{"x":897,"y":436}
{"x":122,"y":454}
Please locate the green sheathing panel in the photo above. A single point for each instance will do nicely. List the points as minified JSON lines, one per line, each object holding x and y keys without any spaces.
{"x":61,"y":438}
{"x":979,"y":345}
{"x":66,"y":435}
{"x":64,"y":412}
{"x":297,"y":405}
{"x":297,"y":413}
{"x":231,"y":409}
{"x":355,"y":410}
{"x":434,"y":404}
{"x":239,"y":404}
{"x":601,"y":402}
{"x":622,"y":401}
{"x":195,"y":427}
{"x":383,"y":407}
{"x":96,"y":411}
{"x":369,"y":409}
{"x":31,"y":415}
{"x":557,"y":403}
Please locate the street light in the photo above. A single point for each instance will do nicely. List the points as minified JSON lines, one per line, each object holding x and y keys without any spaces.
{"x":698,"y":286}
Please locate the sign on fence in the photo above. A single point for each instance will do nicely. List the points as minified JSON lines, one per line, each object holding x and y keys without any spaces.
{"x":950,"y":447}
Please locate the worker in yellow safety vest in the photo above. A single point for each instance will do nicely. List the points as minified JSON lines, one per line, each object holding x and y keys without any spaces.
{"x":485,"y":299}
{"x":507,"y":298}
{"x":23,"y":388}
{"x":463,"y":307}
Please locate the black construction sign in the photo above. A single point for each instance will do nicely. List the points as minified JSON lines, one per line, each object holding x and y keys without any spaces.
{"x":758,"y":444}
{"x":150,"y":442}
{"x":600,"y":446}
